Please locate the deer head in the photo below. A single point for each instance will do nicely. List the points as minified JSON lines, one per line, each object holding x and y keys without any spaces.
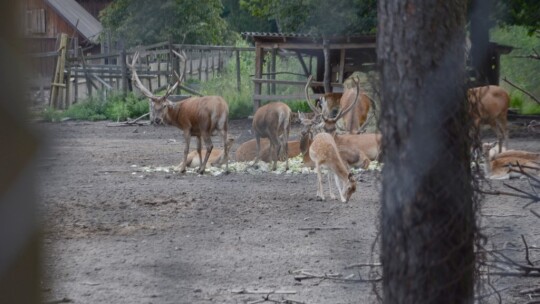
{"x":158,"y":104}
{"x":329,"y":122}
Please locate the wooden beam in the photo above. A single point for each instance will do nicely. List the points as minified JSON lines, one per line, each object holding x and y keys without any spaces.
{"x":341,"y":65}
{"x":284,"y":97}
{"x":259,"y":54}
{"x":318,"y":46}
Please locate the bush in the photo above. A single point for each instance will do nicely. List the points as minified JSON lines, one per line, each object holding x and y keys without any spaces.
{"x":118,"y":107}
{"x":523,"y":104}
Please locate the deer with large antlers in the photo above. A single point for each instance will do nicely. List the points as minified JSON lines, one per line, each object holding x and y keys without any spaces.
{"x":200,"y":117}
{"x":273,"y":121}
{"x":490,"y":106}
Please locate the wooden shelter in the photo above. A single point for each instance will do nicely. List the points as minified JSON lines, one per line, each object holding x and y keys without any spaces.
{"x":345,"y":54}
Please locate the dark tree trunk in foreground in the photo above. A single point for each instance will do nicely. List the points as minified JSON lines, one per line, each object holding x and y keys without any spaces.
{"x":427,"y":205}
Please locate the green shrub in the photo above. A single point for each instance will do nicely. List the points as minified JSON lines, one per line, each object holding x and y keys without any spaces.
{"x":523,"y":104}
{"x":50,"y":114}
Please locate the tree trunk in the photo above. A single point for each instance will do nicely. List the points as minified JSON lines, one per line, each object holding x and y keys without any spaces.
{"x":427,"y":222}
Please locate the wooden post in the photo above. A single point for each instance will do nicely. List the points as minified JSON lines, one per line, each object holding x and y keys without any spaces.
{"x":86,"y":74}
{"x":238,"y":87}
{"x":200,"y":65}
{"x":76,"y":55}
{"x":327,"y":67}
{"x":273,"y":68}
{"x":190,"y":64}
{"x":219,"y":61}
{"x":207,"y":57}
{"x":124,"y":70}
{"x":341,"y":65}
{"x":259,"y":53}
{"x":58,"y":80}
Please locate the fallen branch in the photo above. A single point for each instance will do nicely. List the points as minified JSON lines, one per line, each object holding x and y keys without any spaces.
{"x":322,"y":228}
{"x":363,"y":265}
{"x":530,"y":290}
{"x":283,"y":301}
{"x":515,"y":274}
{"x":304,"y":275}
{"x":134,"y":122}
{"x":526,"y":251}
{"x":535,"y":213}
{"x":63,"y":300}
{"x":262,"y":291}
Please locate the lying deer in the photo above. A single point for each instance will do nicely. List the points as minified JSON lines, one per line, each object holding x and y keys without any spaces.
{"x":216,"y":159}
{"x":273,"y":121}
{"x":324,"y":152}
{"x":248,"y":150}
{"x":491,"y":107}
{"x":500,"y":165}
{"x":200,"y":117}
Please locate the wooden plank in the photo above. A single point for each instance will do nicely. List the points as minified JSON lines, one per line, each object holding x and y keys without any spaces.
{"x":341,"y":65}
{"x":284,"y":97}
{"x":214,"y":47}
{"x":295,"y":82}
{"x":259,"y":56}
{"x":238,"y":87}
{"x":317,"y":46}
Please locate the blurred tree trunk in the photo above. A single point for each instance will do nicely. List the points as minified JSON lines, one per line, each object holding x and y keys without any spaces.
{"x":427,"y":222}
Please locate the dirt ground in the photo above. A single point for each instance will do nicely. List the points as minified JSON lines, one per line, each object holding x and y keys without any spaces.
{"x":116,"y":234}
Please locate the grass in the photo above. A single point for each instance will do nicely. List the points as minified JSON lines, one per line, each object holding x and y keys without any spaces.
{"x":521,"y":102}
{"x":117,"y":106}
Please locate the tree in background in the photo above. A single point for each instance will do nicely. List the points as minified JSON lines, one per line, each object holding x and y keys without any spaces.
{"x":184,"y":21}
{"x":339,"y":17}
{"x":520,"y":12}
{"x":427,"y":217}
{"x":240,"y":20}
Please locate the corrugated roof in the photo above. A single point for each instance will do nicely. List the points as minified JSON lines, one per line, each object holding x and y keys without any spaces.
{"x":88,"y":26}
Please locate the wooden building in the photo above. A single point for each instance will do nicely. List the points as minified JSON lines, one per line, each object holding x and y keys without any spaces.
{"x":346,"y":55}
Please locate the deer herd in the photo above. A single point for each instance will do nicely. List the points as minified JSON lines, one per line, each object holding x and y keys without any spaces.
{"x":332,"y":138}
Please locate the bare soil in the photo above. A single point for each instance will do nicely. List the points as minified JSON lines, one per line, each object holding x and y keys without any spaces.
{"x":115,"y":234}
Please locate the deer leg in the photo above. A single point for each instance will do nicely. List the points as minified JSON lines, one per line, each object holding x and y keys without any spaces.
{"x":187,"y":140}
{"x":199,"y":150}
{"x":274,"y":151}
{"x":320,"y":194}
{"x":332,"y":196}
{"x":225,"y":152}
{"x":286,"y":146}
{"x":209,"y":146}
{"x":340,"y":186}
{"x":258,"y":141}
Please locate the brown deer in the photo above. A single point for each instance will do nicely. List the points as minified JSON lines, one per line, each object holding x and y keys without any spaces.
{"x":329,"y":123}
{"x":324,"y":152}
{"x":247,"y":151}
{"x":500,"y":165}
{"x":273,"y":121}
{"x":217,"y":156}
{"x":200,"y":117}
{"x":353,"y":148}
{"x":490,"y":106}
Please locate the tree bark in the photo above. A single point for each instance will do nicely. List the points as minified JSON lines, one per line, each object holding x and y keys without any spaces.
{"x":427,"y":219}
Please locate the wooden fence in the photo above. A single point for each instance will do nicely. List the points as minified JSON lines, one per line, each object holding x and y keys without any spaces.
{"x":85,"y":76}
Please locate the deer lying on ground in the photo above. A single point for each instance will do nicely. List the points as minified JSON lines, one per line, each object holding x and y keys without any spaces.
{"x":324,"y":152}
{"x":216,"y":159}
{"x":201,"y":117}
{"x":273,"y":121}
{"x":500,"y":165}
{"x":248,"y":150}
{"x":490,"y":106}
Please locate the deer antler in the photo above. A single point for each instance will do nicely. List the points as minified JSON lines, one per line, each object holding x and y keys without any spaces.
{"x":308,"y":99}
{"x":343,"y":112}
{"x":135,"y":77}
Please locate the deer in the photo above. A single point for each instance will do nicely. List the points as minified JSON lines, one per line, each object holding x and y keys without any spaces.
{"x":490,"y":106}
{"x":217,"y":156}
{"x":273,"y":121}
{"x":199,"y":117}
{"x":247,"y":151}
{"x":500,"y":166}
{"x":324,"y":152}
{"x":353,"y":121}
{"x":353,"y":149}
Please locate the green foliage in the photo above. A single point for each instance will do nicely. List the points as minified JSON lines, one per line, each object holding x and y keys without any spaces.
{"x":521,"y":71}
{"x":525,"y":13}
{"x":299,"y":106}
{"x":185,"y":21}
{"x":522,"y":103}
{"x":338,"y":17}
{"x":117,"y":107}
{"x":50,"y":114}
{"x":240,"y":20}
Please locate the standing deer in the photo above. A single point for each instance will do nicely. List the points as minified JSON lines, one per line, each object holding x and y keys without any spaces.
{"x":200,"y":117}
{"x":490,"y":106}
{"x":324,"y":152}
{"x":330,"y":122}
{"x":273,"y":121}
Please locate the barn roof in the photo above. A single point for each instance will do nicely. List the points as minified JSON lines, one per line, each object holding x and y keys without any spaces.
{"x":308,"y":38}
{"x":87,"y":25}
